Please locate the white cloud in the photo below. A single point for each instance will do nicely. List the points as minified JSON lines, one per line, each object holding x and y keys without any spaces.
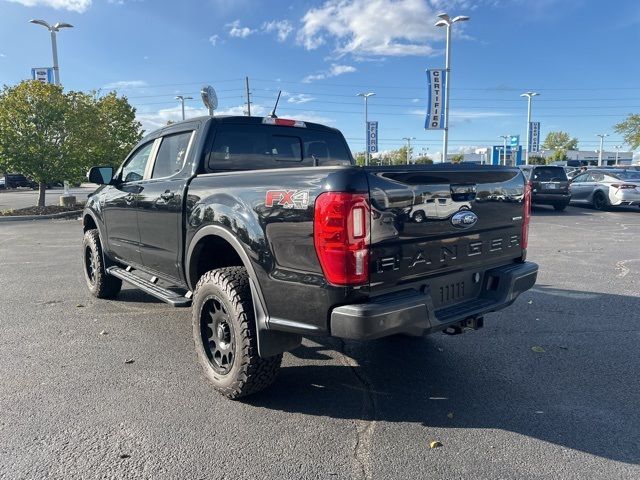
{"x":153,"y":120}
{"x":282,"y":27}
{"x":309,"y":116}
{"x":79,"y":6}
{"x":334,"y":71}
{"x":124,"y":84}
{"x":2,"y":55}
{"x":213,"y":39}
{"x":235,"y":30}
{"x":300,"y":98}
{"x":372,"y":27}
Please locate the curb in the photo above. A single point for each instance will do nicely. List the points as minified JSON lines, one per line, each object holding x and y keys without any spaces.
{"x":20,"y":218}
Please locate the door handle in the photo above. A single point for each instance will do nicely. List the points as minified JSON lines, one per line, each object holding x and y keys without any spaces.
{"x":167,"y":195}
{"x":129,"y":198}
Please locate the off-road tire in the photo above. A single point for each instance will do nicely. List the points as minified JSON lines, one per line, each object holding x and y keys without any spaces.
{"x":228,"y":288}
{"x":560,"y":207}
{"x":600,"y":201}
{"x":100,"y":283}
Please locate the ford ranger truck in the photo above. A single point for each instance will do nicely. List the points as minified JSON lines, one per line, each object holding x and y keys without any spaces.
{"x":270,"y":233}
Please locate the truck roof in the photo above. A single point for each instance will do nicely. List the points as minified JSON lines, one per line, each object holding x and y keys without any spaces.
{"x":237,"y":119}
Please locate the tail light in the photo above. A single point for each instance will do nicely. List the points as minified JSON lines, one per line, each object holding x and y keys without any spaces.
{"x":341,"y":236}
{"x":526,"y":216}
{"x":622,"y":186}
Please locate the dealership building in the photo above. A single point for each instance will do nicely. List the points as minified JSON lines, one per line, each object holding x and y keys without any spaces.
{"x":494,"y":155}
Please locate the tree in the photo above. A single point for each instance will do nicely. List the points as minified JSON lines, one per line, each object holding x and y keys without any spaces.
{"x":424,"y":160}
{"x":630,"y":130}
{"x":560,"y":155}
{"x":458,"y":158}
{"x":537,"y":160}
{"x":560,"y":140}
{"x":360,"y":159}
{"x":48,"y":135}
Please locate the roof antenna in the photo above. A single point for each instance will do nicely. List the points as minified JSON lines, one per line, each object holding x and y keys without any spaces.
{"x":273,"y":112}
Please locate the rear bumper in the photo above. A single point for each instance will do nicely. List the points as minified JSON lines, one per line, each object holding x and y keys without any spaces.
{"x":412,"y":312}
{"x":551,"y":198}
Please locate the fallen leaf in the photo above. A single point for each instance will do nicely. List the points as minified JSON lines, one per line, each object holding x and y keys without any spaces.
{"x":563,"y":347}
{"x":537,"y":349}
{"x":124,"y":455}
{"x":129,"y":360}
{"x":530,"y":302}
{"x":435,"y":444}
{"x":450,"y":415}
{"x":79,"y":305}
{"x":104,"y":332}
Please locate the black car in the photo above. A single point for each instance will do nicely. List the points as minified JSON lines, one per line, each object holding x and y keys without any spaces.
{"x":549,"y":185}
{"x":17,"y":180}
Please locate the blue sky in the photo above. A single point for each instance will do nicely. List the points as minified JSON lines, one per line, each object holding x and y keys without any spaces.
{"x":581,"y":55}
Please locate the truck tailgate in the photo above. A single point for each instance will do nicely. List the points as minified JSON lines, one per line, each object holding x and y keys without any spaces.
{"x":431,"y":220}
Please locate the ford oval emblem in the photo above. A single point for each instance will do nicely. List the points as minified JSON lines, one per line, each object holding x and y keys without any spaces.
{"x":464,"y":219}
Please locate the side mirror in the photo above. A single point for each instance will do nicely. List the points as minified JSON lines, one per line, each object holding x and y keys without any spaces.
{"x":100,"y":175}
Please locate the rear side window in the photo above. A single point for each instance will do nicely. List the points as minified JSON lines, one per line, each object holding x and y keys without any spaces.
{"x":171,"y":155}
{"x":253,"y":147}
{"x":549,"y":174}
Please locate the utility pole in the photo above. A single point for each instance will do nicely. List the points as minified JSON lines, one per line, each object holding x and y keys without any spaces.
{"x":246,"y":82}
{"x":408,"y":139}
{"x":446,"y":21}
{"x":617,"y":147}
{"x":504,"y":149}
{"x":601,"y":135}
{"x":53,"y":29}
{"x":366,"y":123}
{"x":182,"y":99}
{"x":529,"y":96}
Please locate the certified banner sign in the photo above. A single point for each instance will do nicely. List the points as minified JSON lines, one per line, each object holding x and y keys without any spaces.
{"x":435,"y":106}
{"x":43,"y":75}
{"x":372,"y":137}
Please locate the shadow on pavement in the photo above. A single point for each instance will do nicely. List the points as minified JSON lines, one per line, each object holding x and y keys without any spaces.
{"x":582,"y":392}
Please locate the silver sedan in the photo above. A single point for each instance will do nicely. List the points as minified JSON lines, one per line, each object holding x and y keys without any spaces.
{"x":603,"y":188}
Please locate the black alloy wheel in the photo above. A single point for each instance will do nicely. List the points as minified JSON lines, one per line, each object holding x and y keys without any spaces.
{"x":218,"y":335}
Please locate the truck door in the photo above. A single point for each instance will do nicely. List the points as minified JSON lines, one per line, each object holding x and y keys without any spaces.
{"x":119,"y":203}
{"x":160,"y":205}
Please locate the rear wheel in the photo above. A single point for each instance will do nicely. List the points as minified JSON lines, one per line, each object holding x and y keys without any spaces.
{"x":600,"y":201}
{"x":419,"y":217}
{"x":99,"y":282}
{"x":224,"y":332}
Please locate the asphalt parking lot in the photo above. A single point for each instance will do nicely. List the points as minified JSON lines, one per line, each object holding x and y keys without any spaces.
{"x":23,"y":197}
{"x":548,"y":389}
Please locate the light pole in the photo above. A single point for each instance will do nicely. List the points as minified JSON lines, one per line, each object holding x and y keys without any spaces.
{"x":617,"y":147}
{"x":182,"y":99}
{"x":529,"y":96}
{"x":504,"y":149}
{"x":54,"y":45}
{"x":408,"y":139}
{"x":366,"y":122}
{"x":601,"y":135}
{"x":446,"y":21}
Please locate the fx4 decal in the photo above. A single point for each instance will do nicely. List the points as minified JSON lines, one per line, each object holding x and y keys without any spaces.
{"x":287,"y":198}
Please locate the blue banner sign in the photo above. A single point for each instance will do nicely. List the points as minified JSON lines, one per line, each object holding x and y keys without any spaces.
{"x":514,"y":140}
{"x":534,"y":136}
{"x":437,"y":80}
{"x":372,"y":137}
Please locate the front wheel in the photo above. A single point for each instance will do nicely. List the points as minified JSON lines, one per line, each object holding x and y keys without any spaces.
{"x":99,"y":282}
{"x":225,"y":335}
{"x":419,"y":217}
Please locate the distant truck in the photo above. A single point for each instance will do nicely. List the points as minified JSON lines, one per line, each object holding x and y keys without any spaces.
{"x":267,"y":229}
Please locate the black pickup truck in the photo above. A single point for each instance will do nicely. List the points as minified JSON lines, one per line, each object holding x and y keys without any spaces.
{"x":267,"y":229}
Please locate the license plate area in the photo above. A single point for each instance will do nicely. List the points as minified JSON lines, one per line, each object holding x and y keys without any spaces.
{"x":550,"y":186}
{"x":456,"y":288}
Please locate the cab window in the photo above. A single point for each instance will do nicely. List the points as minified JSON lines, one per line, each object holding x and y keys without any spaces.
{"x":133,"y":170}
{"x":171,"y":155}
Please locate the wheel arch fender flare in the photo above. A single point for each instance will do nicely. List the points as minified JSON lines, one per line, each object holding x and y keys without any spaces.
{"x":270,"y":342}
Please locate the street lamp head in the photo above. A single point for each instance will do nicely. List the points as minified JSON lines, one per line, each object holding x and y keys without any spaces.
{"x":460,"y":18}
{"x":188,"y":98}
{"x":529,"y":94}
{"x":444,"y":16}
{"x":60,"y":25}
{"x":41,"y":22}
{"x":441,"y":23}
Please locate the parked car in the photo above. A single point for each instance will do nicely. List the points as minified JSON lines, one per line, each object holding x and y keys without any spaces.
{"x":17,"y":180}
{"x":209,"y":213}
{"x":606,"y":187}
{"x":549,"y":185}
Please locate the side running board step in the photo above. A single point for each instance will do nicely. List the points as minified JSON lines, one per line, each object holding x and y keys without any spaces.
{"x":149,"y":287}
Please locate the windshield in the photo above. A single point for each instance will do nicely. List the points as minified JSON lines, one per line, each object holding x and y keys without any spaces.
{"x":627,"y":175}
{"x":549,"y":174}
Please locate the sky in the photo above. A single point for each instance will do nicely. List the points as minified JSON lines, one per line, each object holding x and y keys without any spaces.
{"x":580,"y":55}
